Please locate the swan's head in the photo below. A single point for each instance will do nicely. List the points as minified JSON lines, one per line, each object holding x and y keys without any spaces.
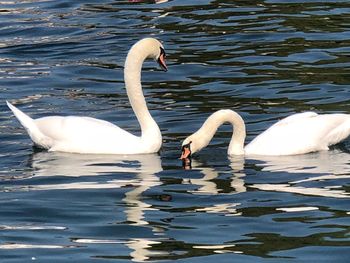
{"x":186,"y":151}
{"x":192,"y":144}
{"x":153,"y":49}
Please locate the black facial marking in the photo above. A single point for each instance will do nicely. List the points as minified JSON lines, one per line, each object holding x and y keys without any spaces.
{"x":188,"y":145}
{"x":162,"y":51}
{"x":161,"y":59}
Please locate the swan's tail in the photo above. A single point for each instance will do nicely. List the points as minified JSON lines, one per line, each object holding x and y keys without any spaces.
{"x":32,"y":129}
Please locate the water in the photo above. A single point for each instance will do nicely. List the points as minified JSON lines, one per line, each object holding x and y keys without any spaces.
{"x":264,"y":59}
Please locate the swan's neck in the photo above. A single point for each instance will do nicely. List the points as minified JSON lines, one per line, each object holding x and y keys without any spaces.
{"x":210,"y":126}
{"x":132,"y":75}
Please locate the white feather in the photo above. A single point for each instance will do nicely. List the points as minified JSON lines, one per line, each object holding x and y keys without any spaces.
{"x":301,"y":133}
{"x":89,"y":135}
{"x":296,"y":134}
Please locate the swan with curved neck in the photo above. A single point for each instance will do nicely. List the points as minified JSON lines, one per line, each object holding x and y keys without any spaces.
{"x":296,"y":134}
{"x":77,"y":134}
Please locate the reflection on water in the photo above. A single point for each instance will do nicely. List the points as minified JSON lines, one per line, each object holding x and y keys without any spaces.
{"x":77,"y":165}
{"x":145,"y":167}
{"x":325,"y":162}
{"x":291,"y":188}
{"x":159,"y":245}
{"x":265,"y":59}
{"x":113,"y":172}
{"x":207,"y":184}
{"x":318,"y":167}
{"x":225,"y":209}
{"x":140,"y":247}
{"x":29,"y":246}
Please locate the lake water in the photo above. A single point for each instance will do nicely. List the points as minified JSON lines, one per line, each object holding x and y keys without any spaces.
{"x":264,"y":59}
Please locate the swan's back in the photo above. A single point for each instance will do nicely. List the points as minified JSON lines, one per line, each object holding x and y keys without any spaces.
{"x":75,"y":127}
{"x":301,"y":133}
{"x":85,"y":134}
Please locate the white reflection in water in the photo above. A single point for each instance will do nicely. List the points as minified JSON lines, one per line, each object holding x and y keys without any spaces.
{"x":297,"y":209}
{"x":205,"y":184}
{"x":145,"y":167}
{"x":76,"y":165}
{"x":219,"y":249}
{"x":208,"y":186}
{"x":141,"y":249}
{"x":31,"y":227}
{"x":213,"y":246}
{"x":315,"y":191}
{"x":136,"y":207}
{"x":327,"y":165}
{"x":29,"y":246}
{"x":97,"y":241}
{"x":322,"y":178}
{"x":227,"y":209}
{"x":324,"y":162}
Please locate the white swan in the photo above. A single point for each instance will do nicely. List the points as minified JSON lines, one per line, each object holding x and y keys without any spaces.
{"x":297,"y":134}
{"x":88,"y":135}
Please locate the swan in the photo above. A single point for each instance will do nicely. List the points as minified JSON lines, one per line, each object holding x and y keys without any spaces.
{"x":77,"y":134}
{"x":298,"y":133}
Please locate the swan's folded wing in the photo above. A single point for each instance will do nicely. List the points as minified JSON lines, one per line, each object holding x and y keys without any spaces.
{"x":85,"y":134}
{"x":296,"y":118}
{"x":341,"y":129}
{"x":301,"y":133}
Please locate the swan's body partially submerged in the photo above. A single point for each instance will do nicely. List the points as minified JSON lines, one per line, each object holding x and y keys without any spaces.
{"x":301,"y":133}
{"x":297,"y":134}
{"x":89,"y":135}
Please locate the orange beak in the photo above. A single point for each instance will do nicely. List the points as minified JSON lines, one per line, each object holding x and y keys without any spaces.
{"x":186,"y":151}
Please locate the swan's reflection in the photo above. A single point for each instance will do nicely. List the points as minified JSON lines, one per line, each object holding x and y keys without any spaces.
{"x":206,"y":184}
{"x":145,"y":167}
{"x":326,"y":165}
{"x":76,"y":165}
{"x":135,"y":206}
{"x":141,"y":249}
{"x":314,"y":191}
{"x":316,"y":167}
{"x":324,"y":162}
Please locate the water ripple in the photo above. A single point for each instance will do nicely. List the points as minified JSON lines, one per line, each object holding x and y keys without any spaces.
{"x":265,"y":59}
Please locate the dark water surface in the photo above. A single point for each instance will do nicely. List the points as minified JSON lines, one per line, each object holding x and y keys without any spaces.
{"x":264,"y":59}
